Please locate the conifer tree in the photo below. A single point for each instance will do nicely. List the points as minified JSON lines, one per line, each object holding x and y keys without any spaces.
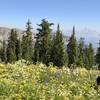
{"x":86,"y":54}
{"x":81,"y":56}
{"x":11,"y":47}
{"x":43,"y":42}
{"x":98,"y":56}
{"x":58,"y":52}
{"x":24,"y":47}
{"x":72,"y":49}
{"x":3,"y":52}
{"x":89,"y":56}
{"x":27,"y":43}
{"x":18,"y":49}
{"x":37,"y":48}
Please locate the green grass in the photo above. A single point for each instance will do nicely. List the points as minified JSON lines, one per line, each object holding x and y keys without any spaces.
{"x":38,"y":82}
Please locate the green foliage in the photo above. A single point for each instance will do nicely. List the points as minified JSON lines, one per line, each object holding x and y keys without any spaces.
{"x":3,"y":52}
{"x":11,"y":47}
{"x":18,"y":50}
{"x":48,"y":50}
{"x":97,"y":57}
{"x":27,"y":43}
{"x":86,"y":54}
{"x":43,"y":42}
{"x":81,"y":47}
{"x":58,"y":52}
{"x":37,"y":82}
{"x":72,"y":49}
{"x":24,"y":46}
{"x":89,"y":56}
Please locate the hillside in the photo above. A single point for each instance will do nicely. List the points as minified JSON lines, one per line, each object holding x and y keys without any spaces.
{"x":20,"y":81}
{"x":4,"y":34}
{"x":89,"y":35}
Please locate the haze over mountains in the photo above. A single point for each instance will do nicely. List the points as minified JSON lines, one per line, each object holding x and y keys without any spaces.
{"x":4,"y":32}
{"x":88,"y":34}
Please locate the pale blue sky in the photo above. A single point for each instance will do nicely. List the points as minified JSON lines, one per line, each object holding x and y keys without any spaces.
{"x":81,"y":13}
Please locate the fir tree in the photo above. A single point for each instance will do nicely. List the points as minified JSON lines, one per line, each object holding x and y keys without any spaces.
{"x":18,"y":50}
{"x":37,"y":48}
{"x":89,"y":56}
{"x":3,"y":52}
{"x":81,"y":52}
{"x":27,"y":43}
{"x":86,"y":55}
{"x":98,"y":56}
{"x":72,"y":49}
{"x":58,"y":53}
{"x":43,"y":42}
{"x":24,"y":47}
{"x":11,"y":47}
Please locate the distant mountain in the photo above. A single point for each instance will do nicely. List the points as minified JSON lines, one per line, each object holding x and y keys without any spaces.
{"x":4,"y":33}
{"x":89,"y":35}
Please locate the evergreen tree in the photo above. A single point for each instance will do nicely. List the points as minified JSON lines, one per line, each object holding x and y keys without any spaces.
{"x":37,"y":48}
{"x":86,"y":57}
{"x":3,"y":52}
{"x":89,"y":56}
{"x":18,"y":49}
{"x":72,"y":49}
{"x":43,"y":42}
{"x":81,"y":52}
{"x":58,"y":53}
{"x":11,"y":47}
{"x":27,"y":43}
{"x":24,"y":47}
{"x":98,"y":56}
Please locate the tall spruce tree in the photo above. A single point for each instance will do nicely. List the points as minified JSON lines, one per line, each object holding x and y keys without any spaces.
{"x":27,"y":43}
{"x":97,"y":59}
{"x":72,"y":49}
{"x":18,"y":49}
{"x":89,"y":56}
{"x":86,"y":54}
{"x":24,"y":47}
{"x":43,"y":42}
{"x":81,"y":56}
{"x":11,"y":47}
{"x":3,"y":51}
{"x":58,"y":52}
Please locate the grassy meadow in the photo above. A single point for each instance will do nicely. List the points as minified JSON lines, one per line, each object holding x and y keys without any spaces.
{"x":21,"y":81}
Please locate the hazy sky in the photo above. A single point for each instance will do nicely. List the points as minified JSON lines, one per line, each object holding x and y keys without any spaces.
{"x":81,"y":13}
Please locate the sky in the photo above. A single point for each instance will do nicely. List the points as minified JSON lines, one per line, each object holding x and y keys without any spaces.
{"x":81,"y":13}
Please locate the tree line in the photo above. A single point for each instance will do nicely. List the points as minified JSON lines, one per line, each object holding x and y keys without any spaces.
{"x":49,"y":48}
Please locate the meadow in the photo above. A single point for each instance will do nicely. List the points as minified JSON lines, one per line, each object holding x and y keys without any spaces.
{"x":23,"y":81}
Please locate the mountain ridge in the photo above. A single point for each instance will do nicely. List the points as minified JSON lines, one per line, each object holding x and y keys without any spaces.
{"x":89,"y":35}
